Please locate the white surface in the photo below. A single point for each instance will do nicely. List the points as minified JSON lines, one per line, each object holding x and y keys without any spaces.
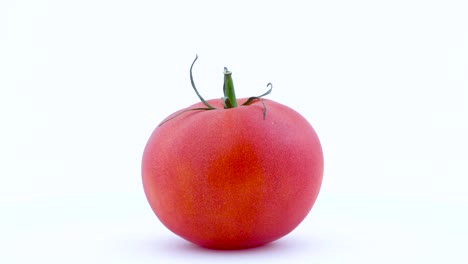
{"x":384,"y":83}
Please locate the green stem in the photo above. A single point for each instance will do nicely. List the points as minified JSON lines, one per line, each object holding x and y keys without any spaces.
{"x":229,"y":98}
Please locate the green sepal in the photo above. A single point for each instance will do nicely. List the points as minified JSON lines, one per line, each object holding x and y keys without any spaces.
{"x":195,"y":88}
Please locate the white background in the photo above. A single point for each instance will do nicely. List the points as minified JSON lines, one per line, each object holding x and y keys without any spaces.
{"x":84,"y":83}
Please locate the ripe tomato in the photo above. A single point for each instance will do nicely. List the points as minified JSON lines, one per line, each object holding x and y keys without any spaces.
{"x":233,"y":178}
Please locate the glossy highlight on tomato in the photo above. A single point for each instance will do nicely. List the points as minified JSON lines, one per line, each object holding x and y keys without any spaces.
{"x":232,"y":177}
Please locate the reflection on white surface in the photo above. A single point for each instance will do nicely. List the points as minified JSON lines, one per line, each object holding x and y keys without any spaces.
{"x":120,"y":227}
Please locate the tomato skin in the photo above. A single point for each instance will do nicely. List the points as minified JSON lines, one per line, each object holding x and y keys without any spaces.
{"x":229,"y":179}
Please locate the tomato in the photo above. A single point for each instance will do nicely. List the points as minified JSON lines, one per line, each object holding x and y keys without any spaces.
{"x":231,"y":178}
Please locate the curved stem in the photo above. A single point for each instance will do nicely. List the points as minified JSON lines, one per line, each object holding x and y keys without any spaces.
{"x":229,"y":98}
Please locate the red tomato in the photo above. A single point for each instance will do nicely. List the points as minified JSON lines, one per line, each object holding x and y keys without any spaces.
{"x":230,"y":178}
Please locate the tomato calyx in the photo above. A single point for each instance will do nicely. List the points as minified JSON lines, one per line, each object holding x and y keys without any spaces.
{"x":229,"y":99}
